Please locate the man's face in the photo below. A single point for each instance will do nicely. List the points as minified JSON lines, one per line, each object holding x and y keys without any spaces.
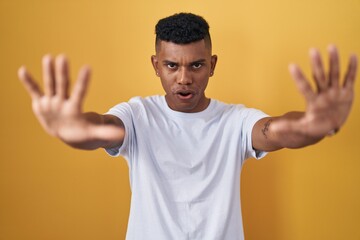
{"x":184,"y":70}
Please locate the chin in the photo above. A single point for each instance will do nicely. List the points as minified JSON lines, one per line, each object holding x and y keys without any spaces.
{"x":187,"y":108}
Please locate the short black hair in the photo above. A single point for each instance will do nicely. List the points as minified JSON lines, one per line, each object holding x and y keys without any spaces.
{"x":182,"y":28}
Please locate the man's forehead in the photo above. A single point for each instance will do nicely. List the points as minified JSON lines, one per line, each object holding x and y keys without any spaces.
{"x":193,"y":48}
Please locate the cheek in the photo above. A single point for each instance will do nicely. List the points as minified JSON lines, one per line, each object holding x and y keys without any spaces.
{"x":166,"y":84}
{"x":203,"y":80}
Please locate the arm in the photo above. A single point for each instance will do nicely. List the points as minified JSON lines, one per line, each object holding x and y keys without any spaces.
{"x":326,"y":109}
{"x":61,"y":115}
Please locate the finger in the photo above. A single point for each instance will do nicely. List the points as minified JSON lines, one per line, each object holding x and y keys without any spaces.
{"x":351,"y":72}
{"x":318,"y":70}
{"x":334,"y":66}
{"x":48,"y":75}
{"x":30,"y":85}
{"x":62,"y":76}
{"x":301,"y":82}
{"x":81,"y":86}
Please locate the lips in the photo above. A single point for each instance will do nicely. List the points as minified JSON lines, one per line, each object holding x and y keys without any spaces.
{"x":184,"y":94}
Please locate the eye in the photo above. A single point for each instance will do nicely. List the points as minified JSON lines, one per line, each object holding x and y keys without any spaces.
{"x":197,"y":65}
{"x":171,"y":65}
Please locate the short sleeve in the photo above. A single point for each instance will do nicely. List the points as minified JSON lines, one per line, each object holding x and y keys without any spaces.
{"x":250,"y":118}
{"x":124,"y":113}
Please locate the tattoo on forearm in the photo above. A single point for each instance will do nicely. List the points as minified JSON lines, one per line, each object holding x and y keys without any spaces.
{"x":266,"y":127}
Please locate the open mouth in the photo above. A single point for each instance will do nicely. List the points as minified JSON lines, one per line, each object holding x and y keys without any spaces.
{"x":184,"y":95}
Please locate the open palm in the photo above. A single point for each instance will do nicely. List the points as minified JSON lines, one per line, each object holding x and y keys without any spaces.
{"x":328,"y":107}
{"x":61,"y":115}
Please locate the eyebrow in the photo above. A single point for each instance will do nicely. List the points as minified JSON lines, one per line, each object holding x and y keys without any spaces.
{"x":199,"y":61}
{"x":191,"y":63}
{"x":168,"y":61}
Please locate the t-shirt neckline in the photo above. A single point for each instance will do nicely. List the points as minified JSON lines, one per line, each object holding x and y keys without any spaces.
{"x":205,"y":113}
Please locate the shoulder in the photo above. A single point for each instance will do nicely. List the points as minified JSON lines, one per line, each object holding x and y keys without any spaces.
{"x":138,"y":107}
{"x":238,"y":114}
{"x":140,"y":102}
{"x":234,"y":109}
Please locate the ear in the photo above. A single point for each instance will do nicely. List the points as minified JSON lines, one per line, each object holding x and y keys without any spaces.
{"x":213,"y":64}
{"x":155,"y":62}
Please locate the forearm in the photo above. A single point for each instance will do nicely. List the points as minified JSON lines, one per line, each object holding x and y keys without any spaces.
{"x":291,"y":138}
{"x":266,"y":137}
{"x":97,"y":131}
{"x":89,"y":142}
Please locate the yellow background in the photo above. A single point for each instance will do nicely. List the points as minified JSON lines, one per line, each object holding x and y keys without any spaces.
{"x":50,"y":191}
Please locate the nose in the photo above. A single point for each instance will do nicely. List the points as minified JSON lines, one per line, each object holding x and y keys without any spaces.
{"x":184,"y":77}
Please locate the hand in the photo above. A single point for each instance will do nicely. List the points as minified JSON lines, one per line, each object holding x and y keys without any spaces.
{"x":327,"y":108}
{"x":61,"y":115}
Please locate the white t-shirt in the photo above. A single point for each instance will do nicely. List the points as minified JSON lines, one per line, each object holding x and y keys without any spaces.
{"x":185,"y":168}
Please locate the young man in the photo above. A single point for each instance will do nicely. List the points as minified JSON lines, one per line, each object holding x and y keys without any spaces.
{"x":184,"y":150}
